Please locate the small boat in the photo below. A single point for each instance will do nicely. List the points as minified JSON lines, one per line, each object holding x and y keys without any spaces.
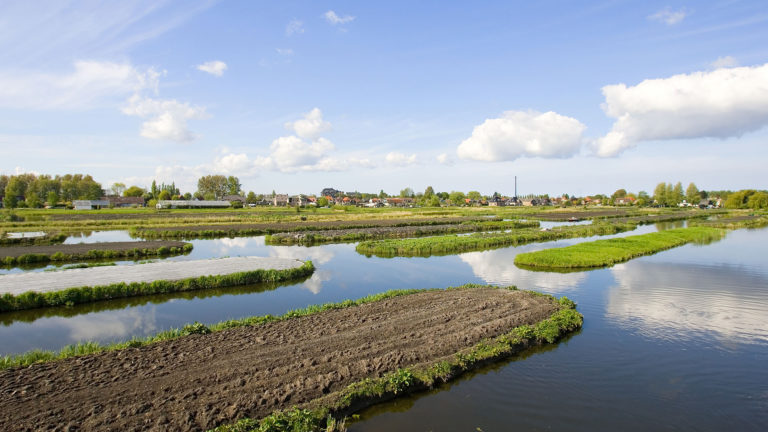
{"x":573,"y":219}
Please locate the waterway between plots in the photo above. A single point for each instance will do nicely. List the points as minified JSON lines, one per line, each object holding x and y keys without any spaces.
{"x":674,"y":341}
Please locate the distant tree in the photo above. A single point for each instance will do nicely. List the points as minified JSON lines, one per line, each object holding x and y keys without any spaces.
{"x":164,"y":195}
{"x":677,"y":194}
{"x":251,"y":198}
{"x":660,"y":194}
{"x":433,"y":201}
{"x":428,"y":192}
{"x":134,"y":191}
{"x":33,"y":201}
{"x":233,"y":185}
{"x":322,"y":202}
{"x":406,"y":193}
{"x":198,"y":195}
{"x":216,"y":185}
{"x":52,"y":198}
{"x":457,"y":198}
{"x":474,"y":195}
{"x":620,"y":193}
{"x":155,"y":191}
{"x":14,"y":188}
{"x":692,"y":194}
{"x":739,"y":199}
{"x":3,"y":182}
{"x":758,"y":200}
{"x":117,"y":188}
{"x":209,"y":196}
{"x":382,"y":194}
{"x":187,"y":196}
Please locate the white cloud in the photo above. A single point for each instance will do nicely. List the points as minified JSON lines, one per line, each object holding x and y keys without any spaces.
{"x":166,"y":119}
{"x":92,"y":84}
{"x":725,"y":62}
{"x":293,"y":153}
{"x":311,"y":126}
{"x":444,"y":159}
{"x":285,"y":52}
{"x":334,"y":19}
{"x":397,"y":158}
{"x":668,"y":16}
{"x":294,"y":27}
{"x":523,"y":133}
{"x":215,"y":68}
{"x":719,"y":104}
{"x":233,"y":164}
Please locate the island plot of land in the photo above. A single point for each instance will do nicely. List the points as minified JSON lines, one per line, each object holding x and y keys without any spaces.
{"x":82,"y":249}
{"x":198,"y":382}
{"x":16,"y":284}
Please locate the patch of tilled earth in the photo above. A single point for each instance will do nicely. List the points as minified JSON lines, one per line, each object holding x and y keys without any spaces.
{"x":201,"y":381}
{"x":83,"y":248}
{"x":317,"y":225}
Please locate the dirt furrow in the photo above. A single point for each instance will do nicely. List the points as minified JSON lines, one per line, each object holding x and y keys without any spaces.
{"x":198,"y":382}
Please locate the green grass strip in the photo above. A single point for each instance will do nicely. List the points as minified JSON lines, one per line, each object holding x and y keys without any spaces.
{"x":451,"y":244}
{"x":47,"y":239}
{"x":369,"y":391}
{"x":736,"y":222}
{"x":86,"y":294}
{"x":600,"y":253}
{"x":95,"y":254}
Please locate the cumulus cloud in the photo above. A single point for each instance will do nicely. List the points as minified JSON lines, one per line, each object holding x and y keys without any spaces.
{"x":725,"y":62}
{"x":444,"y":159}
{"x":397,"y":158}
{"x":166,"y":119}
{"x":668,"y":16}
{"x":523,"y":133}
{"x":718,"y":104}
{"x":92,"y":84}
{"x":294,"y":27}
{"x":232,"y":163}
{"x":215,"y":68}
{"x":311,"y":126}
{"x":334,"y":19}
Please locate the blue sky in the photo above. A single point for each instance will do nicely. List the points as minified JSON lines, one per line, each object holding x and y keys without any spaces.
{"x":572,"y":97}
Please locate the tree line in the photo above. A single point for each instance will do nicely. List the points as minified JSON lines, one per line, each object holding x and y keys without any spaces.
{"x":31,"y":190}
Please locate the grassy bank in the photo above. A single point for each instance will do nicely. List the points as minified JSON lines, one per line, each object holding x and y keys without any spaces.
{"x":72,"y":296}
{"x":95,"y":254}
{"x":736,"y":222}
{"x":480,"y":241}
{"x":322,"y":414}
{"x":338,"y":236}
{"x":600,"y":253}
{"x":47,"y":239}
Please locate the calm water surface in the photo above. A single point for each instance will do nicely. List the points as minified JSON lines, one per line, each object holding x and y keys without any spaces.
{"x":673,"y":341}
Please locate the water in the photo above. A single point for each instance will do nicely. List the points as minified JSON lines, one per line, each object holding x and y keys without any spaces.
{"x":674,"y":341}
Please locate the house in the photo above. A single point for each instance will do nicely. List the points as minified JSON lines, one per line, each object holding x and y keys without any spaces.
{"x":192,"y":204}
{"x":626,"y":201}
{"x":90,"y":204}
{"x":118,"y":201}
{"x":399,"y":202}
{"x":280,"y":200}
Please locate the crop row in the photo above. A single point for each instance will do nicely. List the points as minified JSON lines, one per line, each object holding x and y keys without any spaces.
{"x":96,"y":254}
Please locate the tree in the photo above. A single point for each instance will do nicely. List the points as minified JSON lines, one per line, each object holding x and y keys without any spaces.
{"x":155,"y":191}
{"x":428,"y":192}
{"x":134,"y":191}
{"x":433,"y":201}
{"x":209,"y":196}
{"x":15,"y":188}
{"x":33,"y":201}
{"x":322,"y":202}
{"x":52,"y":198}
{"x":739,"y":199}
{"x":677,"y":194}
{"x":692,"y":194}
{"x":251,"y":198}
{"x":233,"y":185}
{"x":215,"y":185}
{"x":382,"y":194}
{"x":474,"y":195}
{"x":406,"y":193}
{"x":457,"y":198}
{"x":620,"y":193}
{"x":660,"y":194}
{"x":759,"y":200}
{"x":117,"y":188}
{"x":187,"y":196}
{"x":164,"y":195}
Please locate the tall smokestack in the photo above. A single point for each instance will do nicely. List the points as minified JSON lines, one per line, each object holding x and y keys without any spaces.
{"x":515,"y":187}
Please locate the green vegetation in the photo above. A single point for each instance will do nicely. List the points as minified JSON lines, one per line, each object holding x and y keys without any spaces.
{"x":72,"y":296}
{"x":321,"y":415}
{"x":335,"y":236}
{"x":600,"y":253}
{"x":47,"y":239}
{"x":480,"y":241}
{"x":735,"y":222}
{"x":95,"y":254}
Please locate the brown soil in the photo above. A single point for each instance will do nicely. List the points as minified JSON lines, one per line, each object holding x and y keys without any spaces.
{"x":202,"y":381}
{"x":83,"y":248}
{"x":316,"y":225}
{"x":587,"y":214}
{"x":372,"y":233}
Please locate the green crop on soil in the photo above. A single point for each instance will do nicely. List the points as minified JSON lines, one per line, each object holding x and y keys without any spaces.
{"x":315,"y":237}
{"x":600,"y":253}
{"x":96,"y":254}
{"x":750,"y":221}
{"x":408,"y":380}
{"x":47,"y":239}
{"x":72,"y":296}
{"x":455,"y":244}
